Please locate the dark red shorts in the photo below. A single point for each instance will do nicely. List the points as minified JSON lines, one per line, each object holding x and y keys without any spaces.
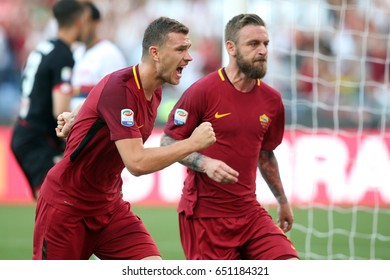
{"x":120,"y":235}
{"x":251,"y":237}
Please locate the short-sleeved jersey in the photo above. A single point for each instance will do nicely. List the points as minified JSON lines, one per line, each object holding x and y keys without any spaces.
{"x":87,"y":181}
{"x":48,"y":66}
{"x":93,"y":64}
{"x":244,"y":124}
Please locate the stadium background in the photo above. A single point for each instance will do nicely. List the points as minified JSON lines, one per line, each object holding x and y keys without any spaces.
{"x":330,"y":61}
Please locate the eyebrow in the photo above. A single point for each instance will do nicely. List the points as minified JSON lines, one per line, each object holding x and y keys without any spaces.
{"x":258,"y":41}
{"x":183,"y":46}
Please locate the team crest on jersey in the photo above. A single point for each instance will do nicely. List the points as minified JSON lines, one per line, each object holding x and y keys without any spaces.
{"x":180,"y":117}
{"x":127,"y":117}
{"x":264,"y":120}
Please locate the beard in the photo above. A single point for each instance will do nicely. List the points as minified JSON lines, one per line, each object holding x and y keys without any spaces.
{"x":249,"y":69}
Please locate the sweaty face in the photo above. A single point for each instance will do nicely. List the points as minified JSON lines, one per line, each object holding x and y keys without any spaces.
{"x":174,"y":56}
{"x":252,"y":52}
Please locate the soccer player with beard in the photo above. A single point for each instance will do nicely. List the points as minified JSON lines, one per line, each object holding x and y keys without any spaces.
{"x":219,"y":214}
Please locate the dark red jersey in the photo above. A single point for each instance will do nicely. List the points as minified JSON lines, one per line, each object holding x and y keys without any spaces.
{"x":244,"y":123}
{"x":88,"y":179}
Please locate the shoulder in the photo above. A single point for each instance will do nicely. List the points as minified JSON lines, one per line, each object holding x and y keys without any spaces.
{"x":46,"y":47}
{"x":56,"y":50}
{"x":106,"y":45}
{"x":110,"y":52}
{"x":120,"y":79}
{"x":61,"y":46}
{"x":55,"y":54}
{"x":124,"y":74}
{"x":78,"y":52}
{"x":209,"y":81}
{"x":270,"y":90}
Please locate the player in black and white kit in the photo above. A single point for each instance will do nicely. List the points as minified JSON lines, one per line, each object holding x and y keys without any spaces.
{"x":46,"y":92}
{"x":94,"y":59}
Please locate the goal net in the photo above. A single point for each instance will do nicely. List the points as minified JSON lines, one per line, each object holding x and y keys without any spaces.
{"x":330,"y":60}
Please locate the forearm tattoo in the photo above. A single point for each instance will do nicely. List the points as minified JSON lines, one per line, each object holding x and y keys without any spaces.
{"x":193,"y":161}
{"x":269,"y":169}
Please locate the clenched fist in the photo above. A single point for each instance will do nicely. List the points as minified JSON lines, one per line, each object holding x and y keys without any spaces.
{"x":64,"y":125}
{"x":203,"y":136}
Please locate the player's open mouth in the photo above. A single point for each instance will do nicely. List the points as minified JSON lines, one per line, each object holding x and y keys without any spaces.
{"x":179,"y":71}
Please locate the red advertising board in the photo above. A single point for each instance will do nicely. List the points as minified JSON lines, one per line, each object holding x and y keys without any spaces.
{"x":347,"y":168}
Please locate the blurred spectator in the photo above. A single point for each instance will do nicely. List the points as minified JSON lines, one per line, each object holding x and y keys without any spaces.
{"x":21,"y":24}
{"x":94,"y":58}
{"x":328,"y":56}
{"x":9,"y":81}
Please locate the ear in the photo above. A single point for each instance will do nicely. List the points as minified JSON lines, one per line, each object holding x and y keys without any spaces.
{"x":231,"y":48}
{"x":154,"y":53}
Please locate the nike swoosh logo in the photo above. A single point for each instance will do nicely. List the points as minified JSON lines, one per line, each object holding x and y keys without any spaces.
{"x":218,"y":116}
{"x":140,"y":126}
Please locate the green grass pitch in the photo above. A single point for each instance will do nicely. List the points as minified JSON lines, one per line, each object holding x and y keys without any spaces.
{"x":17,"y":222}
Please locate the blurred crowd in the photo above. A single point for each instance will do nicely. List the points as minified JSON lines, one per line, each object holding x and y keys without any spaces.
{"x":328,"y":58}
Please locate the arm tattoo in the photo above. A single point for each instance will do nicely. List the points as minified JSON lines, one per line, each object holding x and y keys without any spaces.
{"x":269,"y":169}
{"x":193,"y":161}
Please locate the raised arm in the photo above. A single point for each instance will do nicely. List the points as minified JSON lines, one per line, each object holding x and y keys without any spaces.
{"x":269,"y":169}
{"x":216,"y":170}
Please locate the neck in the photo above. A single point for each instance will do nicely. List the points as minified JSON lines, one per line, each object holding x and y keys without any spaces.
{"x":149,"y":80}
{"x":67,"y":36}
{"x":239,"y":80}
{"x":93,"y":41}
